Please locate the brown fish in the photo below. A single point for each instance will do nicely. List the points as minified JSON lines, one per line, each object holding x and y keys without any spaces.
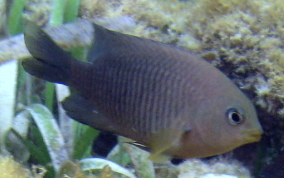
{"x":171,"y":102}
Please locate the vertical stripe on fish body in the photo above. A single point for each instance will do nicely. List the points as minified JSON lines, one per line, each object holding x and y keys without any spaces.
{"x":170,"y":101}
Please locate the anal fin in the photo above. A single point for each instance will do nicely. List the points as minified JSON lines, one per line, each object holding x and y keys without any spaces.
{"x":159,"y":158}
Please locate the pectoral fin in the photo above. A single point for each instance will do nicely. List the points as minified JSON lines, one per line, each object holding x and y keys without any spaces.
{"x":157,"y":157}
{"x":139,"y":145}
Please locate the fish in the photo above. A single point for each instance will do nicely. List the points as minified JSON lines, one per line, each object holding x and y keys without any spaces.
{"x":167,"y":100}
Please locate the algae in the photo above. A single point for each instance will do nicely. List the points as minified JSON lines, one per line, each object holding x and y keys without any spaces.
{"x":11,"y":169}
{"x":38,"y":11}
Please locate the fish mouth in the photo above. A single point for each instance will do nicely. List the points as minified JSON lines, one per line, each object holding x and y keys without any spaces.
{"x":254,"y":136}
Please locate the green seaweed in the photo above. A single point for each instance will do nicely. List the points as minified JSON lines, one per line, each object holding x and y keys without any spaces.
{"x":72,"y":11}
{"x":82,"y":147}
{"x":15,"y":18}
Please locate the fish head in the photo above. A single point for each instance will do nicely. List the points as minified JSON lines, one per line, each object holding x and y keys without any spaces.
{"x":224,"y":120}
{"x":231,"y":122}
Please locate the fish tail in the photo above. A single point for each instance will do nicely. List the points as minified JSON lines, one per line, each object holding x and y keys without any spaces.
{"x":49,"y":61}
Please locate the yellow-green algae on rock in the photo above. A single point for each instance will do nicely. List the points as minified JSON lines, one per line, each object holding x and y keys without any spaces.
{"x":11,"y":169}
{"x":38,"y":10}
{"x":216,"y":168}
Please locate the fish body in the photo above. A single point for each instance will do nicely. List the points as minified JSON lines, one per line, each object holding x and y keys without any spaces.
{"x":170,"y":101}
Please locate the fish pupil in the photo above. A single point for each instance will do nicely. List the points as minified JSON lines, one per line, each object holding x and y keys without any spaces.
{"x":234,"y":116}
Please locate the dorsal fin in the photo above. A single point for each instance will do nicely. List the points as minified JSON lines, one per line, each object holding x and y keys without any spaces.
{"x":106,"y":41}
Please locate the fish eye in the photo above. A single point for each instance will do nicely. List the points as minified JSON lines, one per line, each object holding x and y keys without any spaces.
{"x":235,"y":116}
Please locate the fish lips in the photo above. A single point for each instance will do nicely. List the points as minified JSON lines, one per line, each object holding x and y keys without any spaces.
{"x":253,"y":136}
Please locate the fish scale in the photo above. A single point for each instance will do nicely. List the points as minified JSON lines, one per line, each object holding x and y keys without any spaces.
{"x":168,"y":100}
{"x":121,"y":88}
{"x":154,"y":72}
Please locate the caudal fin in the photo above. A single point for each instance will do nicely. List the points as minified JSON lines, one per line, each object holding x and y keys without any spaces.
{"x":49,"y":61}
